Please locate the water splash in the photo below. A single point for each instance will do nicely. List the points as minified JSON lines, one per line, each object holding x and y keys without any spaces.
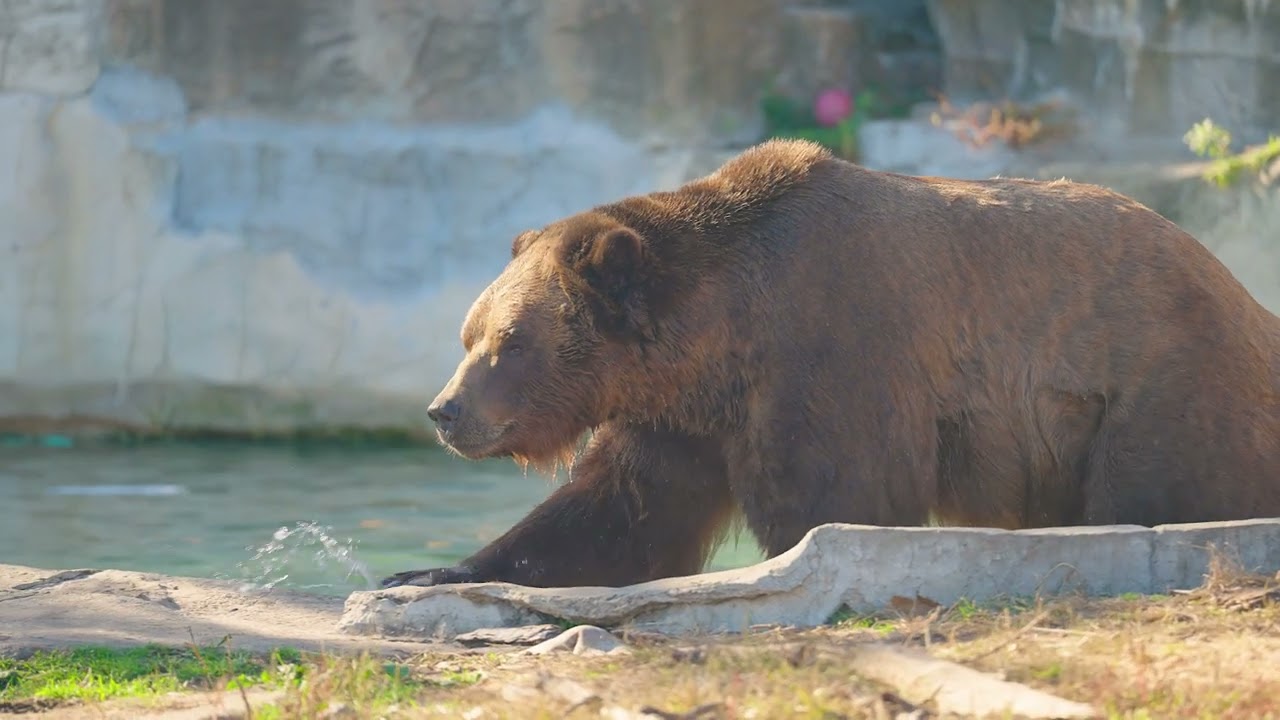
{"x":271,"y":562}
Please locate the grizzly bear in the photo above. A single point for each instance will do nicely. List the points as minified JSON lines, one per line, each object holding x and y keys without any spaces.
{"x":796,"y":340}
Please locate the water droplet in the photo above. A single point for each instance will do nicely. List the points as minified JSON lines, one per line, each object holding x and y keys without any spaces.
{"x":268,"y":567}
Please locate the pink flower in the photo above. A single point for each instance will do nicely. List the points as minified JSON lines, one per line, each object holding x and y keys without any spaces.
{"x":832,"y":106}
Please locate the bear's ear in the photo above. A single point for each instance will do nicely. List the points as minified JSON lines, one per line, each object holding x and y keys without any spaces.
{"x":522,"y":241}
{"x":614,"y":265}
{"x":615,"y":259}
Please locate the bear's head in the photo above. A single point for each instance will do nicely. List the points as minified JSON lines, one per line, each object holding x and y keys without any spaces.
{"x":551,"y":343}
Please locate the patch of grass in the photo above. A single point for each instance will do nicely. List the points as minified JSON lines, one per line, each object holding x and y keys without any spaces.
{"x":360,"y":686}
{"x":848,"y":620}
{"x":99,"y":673}
{"x":965,"y":609}
{"x":1213,"y":142}
{"x":458,"y":678}
{"x":1212,"y":652}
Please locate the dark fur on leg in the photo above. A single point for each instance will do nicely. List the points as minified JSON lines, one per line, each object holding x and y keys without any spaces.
{"x":641,"y":504}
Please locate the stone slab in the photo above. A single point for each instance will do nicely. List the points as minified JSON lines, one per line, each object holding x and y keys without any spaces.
{"x":958,"y":690}
{"x":47,"y":609}
{"x":859,"y":567}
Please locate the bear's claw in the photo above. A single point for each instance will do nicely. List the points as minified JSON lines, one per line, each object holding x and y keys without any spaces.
{"x":434,"y":576}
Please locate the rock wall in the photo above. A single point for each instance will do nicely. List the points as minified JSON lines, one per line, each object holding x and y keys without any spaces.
{"x":1147,"y":67}
{"x":225,"y":214}
{"x":231,"y":214}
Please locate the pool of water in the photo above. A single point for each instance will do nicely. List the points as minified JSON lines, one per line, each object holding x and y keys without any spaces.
{"x":212,"y":511}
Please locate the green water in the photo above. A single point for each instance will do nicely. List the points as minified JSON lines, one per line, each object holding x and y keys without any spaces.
{"x":212,"y":511}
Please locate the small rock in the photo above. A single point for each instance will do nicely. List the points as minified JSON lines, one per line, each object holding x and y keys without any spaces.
{"x":56,"y":579}
{"x":708,"y":710}
{"x":574,"y":693}
{"x":527,"y":635}
{"x":518,"y":694}
{"x":581,"y":640}
{"x":338,"y":711}
{"x":693,"y":655}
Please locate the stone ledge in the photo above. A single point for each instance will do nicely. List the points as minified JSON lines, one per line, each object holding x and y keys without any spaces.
{"x":859,"y":567}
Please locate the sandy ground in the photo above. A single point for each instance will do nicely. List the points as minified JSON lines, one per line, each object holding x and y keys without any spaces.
{"x":51,"y":609}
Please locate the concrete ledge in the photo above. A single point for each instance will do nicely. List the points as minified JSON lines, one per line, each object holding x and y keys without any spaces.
{"x":860,"y":567}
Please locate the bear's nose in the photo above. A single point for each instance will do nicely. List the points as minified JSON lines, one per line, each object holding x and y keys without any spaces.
{"x":444,"y":414}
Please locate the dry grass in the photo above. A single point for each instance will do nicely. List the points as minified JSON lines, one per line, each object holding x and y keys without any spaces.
{"x":1013,"y":124}
{"x":1210,"y":653}
{"x":1213,"y":652}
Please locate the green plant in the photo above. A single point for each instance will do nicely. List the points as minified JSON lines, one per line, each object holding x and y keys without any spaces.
{"x":786,"y":117}
{"x":1209,"y":140}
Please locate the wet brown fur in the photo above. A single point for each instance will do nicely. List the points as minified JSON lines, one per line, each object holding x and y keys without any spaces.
{"x":804,"y":341}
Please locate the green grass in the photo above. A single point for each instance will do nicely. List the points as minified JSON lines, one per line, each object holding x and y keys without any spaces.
{"x":312,"y":684}
{"x":848,"y":620}
{"x":365,"y":685}
{"x":98,"y":673}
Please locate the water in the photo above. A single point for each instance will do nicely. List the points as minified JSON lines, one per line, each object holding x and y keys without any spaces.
{"x":328,"y":520}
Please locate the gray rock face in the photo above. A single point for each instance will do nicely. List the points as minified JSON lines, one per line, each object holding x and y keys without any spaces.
{"x":1154,"y":67}
{"x":692,"y":69}
{"x":51,"y":46}
{"x":226,"y":215}
{"x":862,"y":568}
{"x":258,"y":217}
{"x":252,"y":274}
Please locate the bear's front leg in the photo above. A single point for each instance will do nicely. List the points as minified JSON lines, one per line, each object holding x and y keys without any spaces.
{"x":641,"y":504}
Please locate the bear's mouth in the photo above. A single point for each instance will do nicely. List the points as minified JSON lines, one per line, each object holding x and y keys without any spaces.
{"x":536,"y":446}
{"x":476,"y":446}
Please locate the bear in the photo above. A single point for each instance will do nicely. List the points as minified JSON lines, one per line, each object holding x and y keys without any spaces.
{"x":795,"y":339}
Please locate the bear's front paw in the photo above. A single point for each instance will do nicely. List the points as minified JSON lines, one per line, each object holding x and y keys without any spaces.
{"x":435,"y":576}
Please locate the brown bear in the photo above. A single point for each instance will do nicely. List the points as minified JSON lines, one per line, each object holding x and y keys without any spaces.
{"x":801,"y":340}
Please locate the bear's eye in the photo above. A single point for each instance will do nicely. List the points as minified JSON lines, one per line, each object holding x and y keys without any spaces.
{"x":512,"y":344}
